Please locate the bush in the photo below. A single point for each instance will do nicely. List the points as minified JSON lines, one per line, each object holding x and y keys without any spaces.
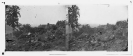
{"x":17,"y":33}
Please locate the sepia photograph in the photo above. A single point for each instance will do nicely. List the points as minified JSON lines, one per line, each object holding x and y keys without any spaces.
{"x":96,"y":27}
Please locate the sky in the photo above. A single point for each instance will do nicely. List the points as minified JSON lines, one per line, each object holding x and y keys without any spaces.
{"x":102,"y":14}
{"x":36,"y":15}
{"x":89,"y":14}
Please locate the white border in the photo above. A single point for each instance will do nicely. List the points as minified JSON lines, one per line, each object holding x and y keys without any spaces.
{"x":66,"y":2}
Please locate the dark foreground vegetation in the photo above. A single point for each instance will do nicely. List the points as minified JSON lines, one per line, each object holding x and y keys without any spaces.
{"x":52,"y":37}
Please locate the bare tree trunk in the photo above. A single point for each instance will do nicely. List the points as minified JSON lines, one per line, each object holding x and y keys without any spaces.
{"x":68,"y":35}
{"x":67,"y":42}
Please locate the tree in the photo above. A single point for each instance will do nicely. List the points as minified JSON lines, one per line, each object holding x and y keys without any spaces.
{"x":61,"y":23}
{"x":73,"y":14}
{"x":12,"y":15}
{"x":27,"y":28}
{"x":122,"y":24}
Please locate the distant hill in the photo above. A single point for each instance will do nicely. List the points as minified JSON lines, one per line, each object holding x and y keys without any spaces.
{"x":94,"y":25}
{"x":8,"y":29}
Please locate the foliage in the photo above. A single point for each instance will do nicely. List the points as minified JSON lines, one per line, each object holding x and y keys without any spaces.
{"x":52,"y":37}
{"x":122,"y":24}
{"x":12,"y":15}
{"x":61,"y":23}
{"x":73,"y":14}
{"x":17,"y":33}
{"x":108,"y":37}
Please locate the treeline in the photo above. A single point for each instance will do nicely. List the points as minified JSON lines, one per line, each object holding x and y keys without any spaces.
{"x":44,"y":36}
{"x":110,"y":37}
{"x":52,"y":37}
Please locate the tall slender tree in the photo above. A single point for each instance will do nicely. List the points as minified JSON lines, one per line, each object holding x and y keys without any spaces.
{"x":12,"y":14}
{"x":73,"y":15}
